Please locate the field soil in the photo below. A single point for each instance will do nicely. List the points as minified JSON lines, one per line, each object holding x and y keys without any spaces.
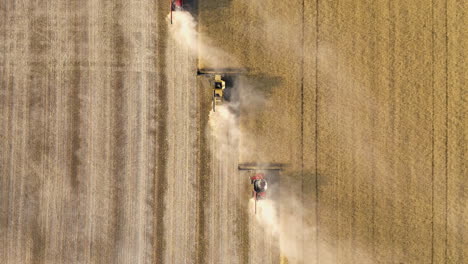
{"x":110,"y":153}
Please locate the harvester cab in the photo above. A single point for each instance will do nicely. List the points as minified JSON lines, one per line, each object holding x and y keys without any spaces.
{"x":260,"y":186}
{"x":259,"y":175}
{"x":218,"y":90}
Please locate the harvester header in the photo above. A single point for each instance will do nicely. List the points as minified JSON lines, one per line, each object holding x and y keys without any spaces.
{"x":259,"y":175}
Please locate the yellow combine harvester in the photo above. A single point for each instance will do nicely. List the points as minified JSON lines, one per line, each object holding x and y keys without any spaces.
{"x":218,"y":82}
{"x":218,"y":90}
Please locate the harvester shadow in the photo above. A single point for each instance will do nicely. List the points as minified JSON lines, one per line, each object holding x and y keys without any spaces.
{"x":264,"y":83}
{"x":192,"y":7}
{"x":249,"y":93}
{"x":214,"y":5}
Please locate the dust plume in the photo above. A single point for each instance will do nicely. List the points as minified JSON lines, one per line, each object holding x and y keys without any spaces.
{"x":285,"y":220}
{"x":224,"y":124}
{"x":287,"y":227}
{"x":183,"y":30}
{"x":224,"y":129}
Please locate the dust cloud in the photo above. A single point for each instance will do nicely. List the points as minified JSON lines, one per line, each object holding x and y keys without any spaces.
{"x":289,"y":229}
{"x":225,"y":122}
{"x":184,"y":31}
{"x":294,"y":232}
{"x":224,"y":129}
{"x":228,"y":142}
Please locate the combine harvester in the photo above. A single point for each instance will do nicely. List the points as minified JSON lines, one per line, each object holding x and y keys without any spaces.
{"x":176,"y":5}
{"x":260,"y":174}
{"x":218,"y":82}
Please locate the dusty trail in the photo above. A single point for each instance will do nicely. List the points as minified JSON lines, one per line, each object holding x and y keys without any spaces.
{"x":223,"y":210}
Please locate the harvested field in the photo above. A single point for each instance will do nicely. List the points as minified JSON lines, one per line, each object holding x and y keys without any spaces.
{"x":109,"y":152}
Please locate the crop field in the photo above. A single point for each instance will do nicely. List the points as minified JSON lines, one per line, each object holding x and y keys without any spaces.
{"x":110,"y":151}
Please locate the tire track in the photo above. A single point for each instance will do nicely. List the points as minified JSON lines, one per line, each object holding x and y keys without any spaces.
{"x":182,"y":173}
{"x":162,"y":145}
{"x":204,"y":180}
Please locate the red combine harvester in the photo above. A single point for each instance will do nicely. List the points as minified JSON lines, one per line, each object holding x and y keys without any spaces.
{"x":176,"y":5}
{"x":259,"y":176}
